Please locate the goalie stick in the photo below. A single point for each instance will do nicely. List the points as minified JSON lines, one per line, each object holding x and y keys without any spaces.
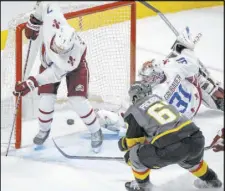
{"x":172,"y":28}
{"x":86,"y":157}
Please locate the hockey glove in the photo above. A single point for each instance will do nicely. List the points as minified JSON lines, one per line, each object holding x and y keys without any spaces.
{"x":218,"y":141}
{"x":32,"y":28}
{"x":122,"y":144}
{"x":23,"y":88}
{"x":127,"y":158}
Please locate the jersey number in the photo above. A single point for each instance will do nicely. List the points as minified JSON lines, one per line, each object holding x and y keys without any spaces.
{"x":182,"y":60}
{"x":180,"y":102}
{"x":160,"y":114}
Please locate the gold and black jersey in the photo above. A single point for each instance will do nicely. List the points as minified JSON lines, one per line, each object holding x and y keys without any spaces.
{"x":155,"y":121}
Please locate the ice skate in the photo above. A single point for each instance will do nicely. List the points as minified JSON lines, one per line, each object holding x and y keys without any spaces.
{"x":41,"y":137}
{"x":215,"y":183}
{"x":134,"y":186}
{"x":96,"y":141}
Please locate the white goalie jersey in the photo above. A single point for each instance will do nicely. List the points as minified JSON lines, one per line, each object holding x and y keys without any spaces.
{"x":179,"y":89}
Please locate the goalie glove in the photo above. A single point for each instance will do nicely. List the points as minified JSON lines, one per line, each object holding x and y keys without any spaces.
{"x":23,"y":88}
{"x":184,"y":40}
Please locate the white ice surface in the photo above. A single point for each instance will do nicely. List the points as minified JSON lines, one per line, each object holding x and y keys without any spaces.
{"x":47,"y":170}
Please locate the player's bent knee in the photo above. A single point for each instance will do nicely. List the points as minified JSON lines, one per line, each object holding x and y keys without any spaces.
{"x":80,"y":104}
{"x":83,"y":108}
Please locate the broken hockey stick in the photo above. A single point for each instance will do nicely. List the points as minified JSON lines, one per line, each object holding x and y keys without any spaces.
{"x":18,"y":101}
{"x":87,"y":157}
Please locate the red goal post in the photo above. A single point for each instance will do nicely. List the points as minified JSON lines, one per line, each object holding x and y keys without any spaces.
{"x":71,"y":15}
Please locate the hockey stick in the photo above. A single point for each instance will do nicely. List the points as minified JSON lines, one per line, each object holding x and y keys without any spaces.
{"x":172,"y":27}
{"x":18,"y":101}
{"x":161,"y":15}
{"x":207,"y":148}
{"x":86,"y":157}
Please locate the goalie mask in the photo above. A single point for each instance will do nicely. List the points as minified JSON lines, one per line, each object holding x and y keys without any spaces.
{"x":151,"y":72}
{"x":64,"y":40}
{"x":139,"y":90}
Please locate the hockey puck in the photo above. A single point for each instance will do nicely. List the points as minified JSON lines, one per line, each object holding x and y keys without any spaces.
{"x":70,"y":121}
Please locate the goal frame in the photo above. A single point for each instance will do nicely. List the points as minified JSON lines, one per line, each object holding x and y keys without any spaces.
{"x":71,"y":15}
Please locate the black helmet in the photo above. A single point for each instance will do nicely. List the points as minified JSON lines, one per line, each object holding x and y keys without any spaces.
{"x":138,"y":90}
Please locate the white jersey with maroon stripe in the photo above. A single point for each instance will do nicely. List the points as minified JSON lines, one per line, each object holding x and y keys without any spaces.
{"x":180,"y":88}
{"x":58,"y":65}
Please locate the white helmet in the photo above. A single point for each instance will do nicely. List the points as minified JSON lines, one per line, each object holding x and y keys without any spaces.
{"x":64,"y":39}
{"x":152,"y":72}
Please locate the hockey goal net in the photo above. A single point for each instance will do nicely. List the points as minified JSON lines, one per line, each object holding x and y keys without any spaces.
{"x":109,"y":30}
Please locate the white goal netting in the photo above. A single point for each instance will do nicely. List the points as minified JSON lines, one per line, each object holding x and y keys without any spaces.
{"x":108,"y":38}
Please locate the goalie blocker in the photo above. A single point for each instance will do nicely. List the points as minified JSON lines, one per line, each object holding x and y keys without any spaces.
{"x":212,"y":92}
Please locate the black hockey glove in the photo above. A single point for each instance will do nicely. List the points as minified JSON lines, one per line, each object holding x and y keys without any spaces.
{"x":127,"y":158}
{"x":122,"y":144}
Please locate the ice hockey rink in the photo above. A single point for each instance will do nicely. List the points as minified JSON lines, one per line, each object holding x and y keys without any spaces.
{"x":47,"y":170}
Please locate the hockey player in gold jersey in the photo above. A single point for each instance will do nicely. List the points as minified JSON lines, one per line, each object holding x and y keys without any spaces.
{"x":157,"y":136}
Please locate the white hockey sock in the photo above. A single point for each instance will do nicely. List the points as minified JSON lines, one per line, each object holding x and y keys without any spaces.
{"x":83,"y":108}
{"x":46,"y":110}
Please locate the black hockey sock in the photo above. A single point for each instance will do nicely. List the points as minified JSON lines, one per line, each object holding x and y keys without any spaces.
{"x":209,"y":175}
{"x":204,"y":172}
{"x":139,"y":181}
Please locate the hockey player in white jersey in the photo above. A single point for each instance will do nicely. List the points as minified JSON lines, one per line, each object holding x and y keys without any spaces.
{"x":169,"y":81}
{"x":182,"y":60}
{"x":180,"y":80}
{"x":63,"y":53}
{"x":195,"y":87}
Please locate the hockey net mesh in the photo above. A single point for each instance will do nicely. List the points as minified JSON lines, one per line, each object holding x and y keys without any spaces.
{"x":107,"y":35}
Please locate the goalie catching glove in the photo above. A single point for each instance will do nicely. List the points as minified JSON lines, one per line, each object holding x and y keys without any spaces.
{"x":23,"y":88}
